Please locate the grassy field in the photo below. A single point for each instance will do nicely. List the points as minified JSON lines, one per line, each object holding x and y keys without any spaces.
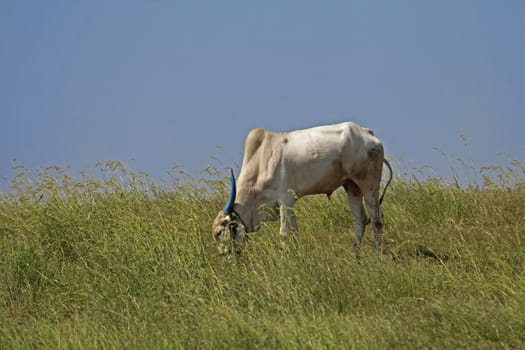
{"x":117,"y":261}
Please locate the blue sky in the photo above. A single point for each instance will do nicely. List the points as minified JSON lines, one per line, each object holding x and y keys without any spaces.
{"x":157,"y":83}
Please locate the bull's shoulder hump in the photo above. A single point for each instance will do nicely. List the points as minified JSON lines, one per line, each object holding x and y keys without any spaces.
{"x":256,"y":137}
{"x":256,"y":133}
{"x":254,"y":140}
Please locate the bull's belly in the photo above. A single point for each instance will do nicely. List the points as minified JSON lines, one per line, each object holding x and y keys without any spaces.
{"x":319,"y":188}
{"x":324,"y":183}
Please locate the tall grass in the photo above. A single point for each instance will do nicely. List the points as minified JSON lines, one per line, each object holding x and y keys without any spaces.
{"x":111,"y":259}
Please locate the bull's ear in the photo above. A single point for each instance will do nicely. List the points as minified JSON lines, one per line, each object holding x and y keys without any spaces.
{"x":229,"y":206}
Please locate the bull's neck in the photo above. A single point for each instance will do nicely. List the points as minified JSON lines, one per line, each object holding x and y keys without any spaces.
{"x":246,"y":205}
{"x":247,"y":216}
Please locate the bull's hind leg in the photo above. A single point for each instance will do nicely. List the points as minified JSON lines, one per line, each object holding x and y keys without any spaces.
{"x":355,"y":200}
{"x":374,"y":210}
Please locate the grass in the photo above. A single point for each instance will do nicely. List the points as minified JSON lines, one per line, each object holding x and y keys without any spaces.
{"x":113,"y":260}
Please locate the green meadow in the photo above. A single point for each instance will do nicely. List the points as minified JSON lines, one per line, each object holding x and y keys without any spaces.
{"x":110,"y":259}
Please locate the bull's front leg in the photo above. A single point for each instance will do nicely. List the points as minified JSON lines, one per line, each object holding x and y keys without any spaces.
{"x":287,"y":215}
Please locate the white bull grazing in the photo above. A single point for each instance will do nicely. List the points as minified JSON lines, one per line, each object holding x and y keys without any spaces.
{"x":279,"y":168}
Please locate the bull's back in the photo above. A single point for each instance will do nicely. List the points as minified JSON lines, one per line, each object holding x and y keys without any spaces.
{"x":321,"y":159}
{"x":322,"y":144}
{"x":309,"y":161}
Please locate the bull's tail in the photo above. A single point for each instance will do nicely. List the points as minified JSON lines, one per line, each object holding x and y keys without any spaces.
{"x":388,"y":182}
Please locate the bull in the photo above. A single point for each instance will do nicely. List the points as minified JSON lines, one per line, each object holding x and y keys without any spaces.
{"x":279,"y":168}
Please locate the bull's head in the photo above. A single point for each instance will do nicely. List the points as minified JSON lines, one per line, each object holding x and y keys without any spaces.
{"x":227,"y":228}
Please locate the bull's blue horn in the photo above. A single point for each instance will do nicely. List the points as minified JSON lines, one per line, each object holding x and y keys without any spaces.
{"x":229,"y":206}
